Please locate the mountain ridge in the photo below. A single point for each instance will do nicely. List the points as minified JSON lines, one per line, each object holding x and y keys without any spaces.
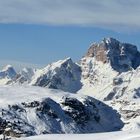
{"x":109,"y":72}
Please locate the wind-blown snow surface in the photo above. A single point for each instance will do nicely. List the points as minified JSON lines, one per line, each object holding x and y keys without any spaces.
{"x":133,"y":135}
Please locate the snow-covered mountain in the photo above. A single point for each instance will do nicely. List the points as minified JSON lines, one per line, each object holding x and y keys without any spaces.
{"x":24,"y":76}
{"x":28,"y":73}
{"x":121,"y":56}
{"x":7,"y":74}
{"x":64,"y":75}
{"x":33,"y":111}
{"x":104,"y":67}
{"x":109,"y":72}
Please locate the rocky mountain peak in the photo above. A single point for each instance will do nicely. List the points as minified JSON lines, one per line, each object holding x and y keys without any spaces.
{"x":63,"y":74}
{"x":121,"y":56}
{"x":8,"y":71}
{"x":110,"y":40}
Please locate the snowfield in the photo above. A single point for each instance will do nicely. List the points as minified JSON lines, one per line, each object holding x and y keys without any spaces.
{"x":129,"y":135}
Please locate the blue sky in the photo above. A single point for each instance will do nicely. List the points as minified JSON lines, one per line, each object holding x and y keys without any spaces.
{"x":43,"y":31}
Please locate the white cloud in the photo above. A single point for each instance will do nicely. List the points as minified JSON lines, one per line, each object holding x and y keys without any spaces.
{"x":110,"y":14}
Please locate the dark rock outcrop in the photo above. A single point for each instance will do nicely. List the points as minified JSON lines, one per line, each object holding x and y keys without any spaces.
{"x":80,"y":112}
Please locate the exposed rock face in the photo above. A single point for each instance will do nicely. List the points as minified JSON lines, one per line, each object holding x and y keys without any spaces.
{"x":121,"y":56}
{"x":80,"y":112}
{"x":98,"y":51}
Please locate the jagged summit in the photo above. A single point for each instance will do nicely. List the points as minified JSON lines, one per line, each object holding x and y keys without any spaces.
{"x":63,"y":74}
{"x":68,"y":59}
{"x":121,"y":56}
{"x":110,"y":40}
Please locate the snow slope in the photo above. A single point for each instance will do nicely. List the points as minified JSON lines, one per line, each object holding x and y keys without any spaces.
{"x":63,"y":74}
{"x":117,"y":87}
{"x":34,"y":110}
{"x":129,"y":135}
